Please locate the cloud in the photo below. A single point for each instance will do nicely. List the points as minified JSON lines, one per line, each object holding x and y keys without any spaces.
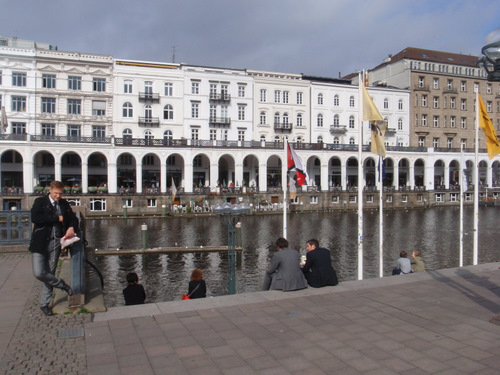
{"x":319,"y":37}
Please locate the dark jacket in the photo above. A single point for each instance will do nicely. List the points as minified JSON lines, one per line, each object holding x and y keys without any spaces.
{"x":43,"y":216}
{"x":201,"y":292}
{"x":134,"y":294}
{"x":318,"y":269}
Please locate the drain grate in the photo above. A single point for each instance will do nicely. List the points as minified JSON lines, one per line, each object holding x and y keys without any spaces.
{"x":70,"y":333}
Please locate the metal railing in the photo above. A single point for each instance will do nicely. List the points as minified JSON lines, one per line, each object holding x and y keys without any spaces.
{"x":15,"y":227}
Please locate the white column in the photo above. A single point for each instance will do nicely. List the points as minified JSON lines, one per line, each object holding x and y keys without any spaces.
{"x":489,"y":175}
{"x":85,"y":176}
{"x":28,"y":179}
{"x":138,"y":178}
{"x":343,"y":174}
{"x":163,"y":176}
{"x":262,"y":178}
{"x":238,"y":174}
{"x":214,"y":176}
{"x":112,"y":179}
{"x":447,"y":176}
{"x":57,"y":171}
{"x":411,"y":177}
{"x":395,"y":176}
{"x":429,"y":177}
{"x":325,"y":186}
{"x":188,"y":177}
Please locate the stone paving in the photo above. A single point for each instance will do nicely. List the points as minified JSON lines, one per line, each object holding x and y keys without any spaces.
{"x":438,"y":322}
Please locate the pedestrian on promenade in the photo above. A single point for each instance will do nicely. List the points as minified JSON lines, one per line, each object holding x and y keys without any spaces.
{"x":417,"y":264}
{"x":134,"y":293}
{"x":318,"y":268}
{"x":284,"y":273}
{"x":53,"y":219}
{"x":403,"y":265}
{"x":197,"y":287}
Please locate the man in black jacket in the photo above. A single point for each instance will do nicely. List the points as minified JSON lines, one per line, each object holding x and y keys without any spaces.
{"x":53,"y":218}
{"x":318,"y":268}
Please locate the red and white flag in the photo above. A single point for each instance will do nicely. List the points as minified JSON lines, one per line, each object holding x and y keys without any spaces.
{"x":295,"y":164}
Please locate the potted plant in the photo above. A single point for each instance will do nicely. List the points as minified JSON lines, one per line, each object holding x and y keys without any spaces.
{"x":92,"y":189}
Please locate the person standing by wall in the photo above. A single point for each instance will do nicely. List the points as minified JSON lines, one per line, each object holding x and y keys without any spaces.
{"x":53,"y":219}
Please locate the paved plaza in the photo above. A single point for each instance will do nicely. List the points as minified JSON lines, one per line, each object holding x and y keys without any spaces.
{"x":438,"y":322}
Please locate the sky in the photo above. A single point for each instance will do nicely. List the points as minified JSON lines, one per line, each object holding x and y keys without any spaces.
{"x":325,"y":38}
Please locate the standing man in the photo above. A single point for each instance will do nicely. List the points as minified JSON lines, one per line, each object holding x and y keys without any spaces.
{"x":318,"y":268}
{"x":53,"y":218}
{"x":284,"y":272}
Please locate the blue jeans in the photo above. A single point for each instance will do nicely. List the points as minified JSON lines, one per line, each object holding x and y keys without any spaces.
{"x":44,"y":269}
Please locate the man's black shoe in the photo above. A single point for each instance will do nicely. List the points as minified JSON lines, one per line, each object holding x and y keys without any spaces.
{"x":46,"y":310}
{"x":67,"y":288}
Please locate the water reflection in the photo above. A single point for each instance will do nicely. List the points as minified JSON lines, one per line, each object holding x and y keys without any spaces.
{"x":434,"y":232}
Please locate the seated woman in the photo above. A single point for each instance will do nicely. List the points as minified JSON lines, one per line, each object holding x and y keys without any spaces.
{"x":417,"y":264}
{"x":197,"y":287}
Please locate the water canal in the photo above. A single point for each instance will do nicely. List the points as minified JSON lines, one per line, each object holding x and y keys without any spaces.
{"x":434,"y":232}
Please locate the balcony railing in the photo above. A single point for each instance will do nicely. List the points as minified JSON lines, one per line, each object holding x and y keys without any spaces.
{"x":450,"y":91}
{"x":421,"y":88}
{"x":149,"y":122}
{"x":338,"y":129}
{"x":149,"y":96}
{"x":222,"y":97}
{"x":390,"y":131}
{"x":220,"y":121}
{"x":283,"y":126}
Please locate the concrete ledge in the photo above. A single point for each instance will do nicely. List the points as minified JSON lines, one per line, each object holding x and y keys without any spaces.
{"x":120,"y":312}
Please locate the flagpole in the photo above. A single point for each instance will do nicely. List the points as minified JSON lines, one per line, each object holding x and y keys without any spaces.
{"x":284,"y":182}
{"x":461,"y":177}
{"x":381,"y":217}
{"x":360,"y":176}
{"x":476,"y":184}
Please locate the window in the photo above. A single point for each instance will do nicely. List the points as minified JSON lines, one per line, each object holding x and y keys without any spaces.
{"x":452,"y":121}
{"x":195,"y":87}
{"x":388,"y":199}
{"x":299,"y":119}
{"x":263,"y":95}
{"x":319,"y":139}
{"x":421,"y":81}
{"x":262,"y":138}
{"x":424,"y":100}
{"x":241,"y":135}
{"x":336,"y":140}
{"x":488,"y":88}
{"x":148,"y":89}
{"x":351,"y":141}
{"x":151,"y":202}
{"x":49,"y":81}
{"x":213,"y":90}
{"x":168,"y":112}
{"x":0,"y":77}
{"x":99,"y":84}
{"x":435,"y":121}
{"x":369,"y":198}
{"x":263,"y":118}
{"x":299,"y":97}
{"x":127,"y":86}
{"x":351,"y":101}
{"x":404,"y":198}
{"x":463,"y":122}
{"x":74,"y":83}
{"x":313,"y":199}
{"x":319,"y":121}
{"x":98,"y":131}
{"x":421,"y":141}
{"x":194,"y":134}
{"x":213,"y":134}
{"x":424,"y":120}
{"x":320,"y":99}
{"x":169,"y":89}
{"x":127,"y":202}
{"x":98,"y":204}
{"x":336,"y":101}
{"x":489,"y":105}
{"x":18,"y":103}
{"x":386,"y":103}
{"x":127,"y":134}
{"x":49,"y":130}
{"x":435,"y":102}
{"x":98,"y":108}
{"x":400,"y":124}
{"x":195,"y":110}
{"x":19,"y":79}
{"x":351,"y":122}
{"x":277,"y":118}
{"x":439,"y":197}
{"x":148,"y":136}
{"x":463,"y":104}
{"x":435,"y":83}
{"x":452,"y":103}
{"x":241,"y":112}
{"x":127,"y":110}
{"x":435,"y":142}
{"x":449,"y":143}
{"x":285,"y":118}
{"x":18,"y":128}
{"x":277,"y":96}
{"x":449,"y":84}
{"x":463,"y":86}
{"x":352,"y":199}
{"x":148,"y":112}
{"x":74,"y":130}
{"x":48,"y":105}
{"x":416,"y":100}
{"x":74,"y":106}
{"x":453,"y":197}
{"x":241,"y":90}
{"x":285,"y":97}
{"x":168,"y":135}
{"x":400,"y":104}
{"x":336,"y":120}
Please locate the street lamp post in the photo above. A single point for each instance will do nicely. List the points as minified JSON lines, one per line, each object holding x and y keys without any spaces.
{"x":491,"y":52}
{"x":231,"y":214}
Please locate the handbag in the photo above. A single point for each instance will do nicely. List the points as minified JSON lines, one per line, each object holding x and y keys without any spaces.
{"x":188,"y":296}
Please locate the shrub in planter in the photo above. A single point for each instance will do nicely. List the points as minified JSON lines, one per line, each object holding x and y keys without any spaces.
{"x":92,"y":189}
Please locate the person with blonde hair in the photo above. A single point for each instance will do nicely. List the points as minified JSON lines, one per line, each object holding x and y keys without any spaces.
{"x":197,"y":287}
{"x":417,"y":264}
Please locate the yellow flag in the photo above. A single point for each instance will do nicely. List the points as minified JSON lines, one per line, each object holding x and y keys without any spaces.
{"x":370,"y":111}
{"x":485,"y":123}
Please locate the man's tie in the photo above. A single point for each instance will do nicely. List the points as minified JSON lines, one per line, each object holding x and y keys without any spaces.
{"x":58,"y":209}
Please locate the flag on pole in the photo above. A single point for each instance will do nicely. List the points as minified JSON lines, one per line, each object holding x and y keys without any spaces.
{"x":492,"y":143}
{"x":295,"y":164}
{"x":174,"y":190}
{"x":293,"y":189}
{"x":377,"y":123}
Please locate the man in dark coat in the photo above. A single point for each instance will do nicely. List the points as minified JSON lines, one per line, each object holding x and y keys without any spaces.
{"x":318,"y":268}
{"x":53,"y":219}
